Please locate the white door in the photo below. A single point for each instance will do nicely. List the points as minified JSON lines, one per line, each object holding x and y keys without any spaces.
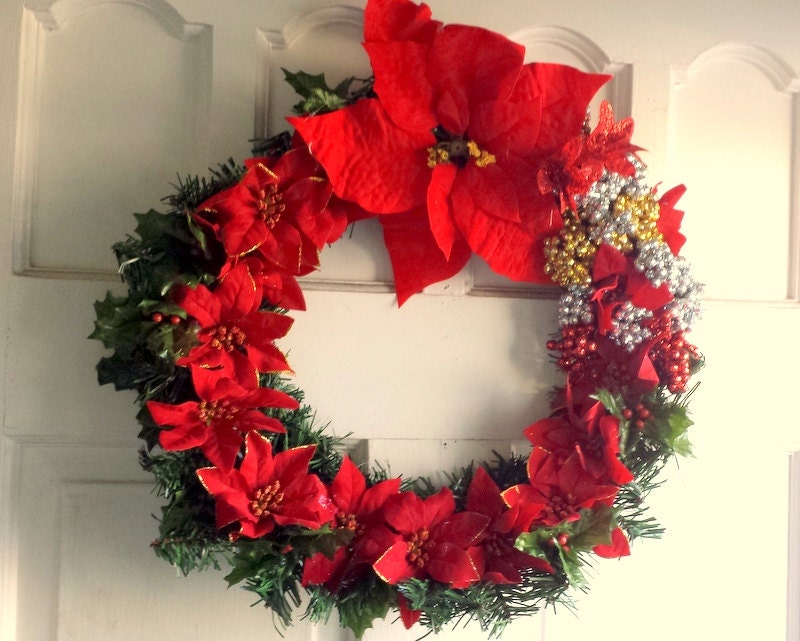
{"x":103,"y":101}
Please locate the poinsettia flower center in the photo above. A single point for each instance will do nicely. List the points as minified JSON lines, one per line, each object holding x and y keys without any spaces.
{"x":560,"y":507}
{"x":269,"y":204}
{"x":419,"y":547}
{"x":267,"y":499}
{"x":347,"y":521}
{"x":497,"y":544}
{"x":457,"y":150}
{"x":227,"y":339}
{"x":210,"y":411}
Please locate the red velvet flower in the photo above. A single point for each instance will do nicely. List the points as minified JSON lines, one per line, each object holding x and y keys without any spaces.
{"x":454,"y":131}
{"x":431,"y":540}
{"x":268,"y":491}
{"x":278,"y":208}
{"x":218,"y":421}
{"x":236,"y":339}
{"x":357,"y":510}
{"x":501,"y":561}
{"x":565,"y":488}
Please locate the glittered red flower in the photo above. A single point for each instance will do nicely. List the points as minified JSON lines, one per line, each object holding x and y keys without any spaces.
{"x":268,"y":491}
{"x":581,"y":161}
{"x":279,"y":209}
{"x":431,"y":540}
{"x":496,"y":554}
{"x":358,"y":508}
{"x":236,"y":339}
{"x":564,"y":487}
{"x":218,"y":421}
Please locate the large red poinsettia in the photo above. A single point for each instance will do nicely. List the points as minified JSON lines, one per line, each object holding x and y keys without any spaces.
{"x":430,"y":540}
{"x":278,"y":208}
{"x":501,"y":561}
{"x":268,"y":491}
{"x":456,"y":130}
{"x":236,"y":339}
{"x":358,"y":509}
{"x":218,"y":421}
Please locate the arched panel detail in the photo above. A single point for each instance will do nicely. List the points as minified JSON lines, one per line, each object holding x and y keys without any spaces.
{"x":62,"y":11}
{"x":745,"y":173}
{"x":107,"y":88}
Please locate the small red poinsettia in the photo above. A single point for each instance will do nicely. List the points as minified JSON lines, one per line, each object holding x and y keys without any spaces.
{"x":564,"y":487}
{"x":278,"y":208}
{"x":500,"y":560}
{"x":235,"y":337}
{"x":430,"y":540}
{"x":218,"y":421}
{"x":268,"y":491}
{"x":593,"y":435}
{"x":358,"y":508}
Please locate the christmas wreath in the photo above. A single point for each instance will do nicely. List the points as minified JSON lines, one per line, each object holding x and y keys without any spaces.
{"x":457,"y":147}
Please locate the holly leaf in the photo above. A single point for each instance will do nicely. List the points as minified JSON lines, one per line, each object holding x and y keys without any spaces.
{"x":370,"y":601}
{"x":669,"y":425}
{"x":317,"y":96}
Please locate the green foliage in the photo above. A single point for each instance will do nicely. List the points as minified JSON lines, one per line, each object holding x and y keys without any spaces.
{"x":318,"y":97}
{"x":491,"y":606}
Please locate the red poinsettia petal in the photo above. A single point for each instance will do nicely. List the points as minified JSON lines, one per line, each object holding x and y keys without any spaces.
{"x":401,"y":83}
{"x":374,"y":498}
{"x":618,"y":547}
{"x":368,"y":158}
{"x":438,"y":507}
{"x":293,"y":463}
{"x":565,"y":95}
{"x":319,"y":569}
{"x":417,"y":261}
{"x":479,"y":64}
{"x":398,"y":20}
{"x":483,"y":495}
{"x":258,"y":464}
{"x":462,"y":529}
{"x":393,"y":566}
{"x":669,"y":220}
{"x":230,"y":490}
{"x":183,"y":437}
{"x":348,"y":486}
{"x":440,"y":215}
{"x":408,"y":616}
{"x":450,"y":564}
{"x":221,"y":447}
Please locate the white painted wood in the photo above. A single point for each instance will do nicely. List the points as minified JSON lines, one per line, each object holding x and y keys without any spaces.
{"x":446,"y":377}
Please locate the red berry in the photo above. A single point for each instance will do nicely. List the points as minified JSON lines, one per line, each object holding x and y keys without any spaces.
{"x":174,"y":320}
{"x":157,"y":317}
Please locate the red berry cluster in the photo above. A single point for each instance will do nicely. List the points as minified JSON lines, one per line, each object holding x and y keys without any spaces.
{"x":576,"y":345}
{"x":673,"y":357}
